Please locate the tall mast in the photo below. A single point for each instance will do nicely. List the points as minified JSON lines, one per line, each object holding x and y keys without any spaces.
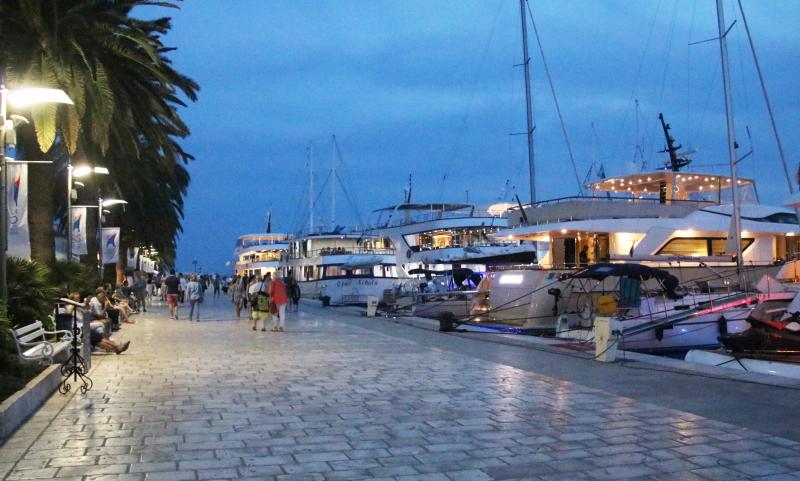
{"x":310,"y":151}
{"x":529,"y":110}
{"x":333,"y":184}
{"x":736,"y":218}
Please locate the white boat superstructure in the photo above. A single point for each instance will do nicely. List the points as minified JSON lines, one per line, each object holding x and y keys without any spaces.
{"x":432,"y":238}
{"x":260,"y":253}
{"x":678,"y":221}
{"x":342,"y":268}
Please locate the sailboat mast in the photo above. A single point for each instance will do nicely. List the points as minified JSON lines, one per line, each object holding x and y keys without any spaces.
{"x":333,"y":184}
{"x":529,"y":110}
{"x":310,"y":151}
{"x":737,"y":219}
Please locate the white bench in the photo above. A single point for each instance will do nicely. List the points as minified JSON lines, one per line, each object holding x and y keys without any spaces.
{"x":32,"y":342}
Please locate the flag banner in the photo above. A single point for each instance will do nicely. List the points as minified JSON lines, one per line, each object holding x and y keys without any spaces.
{"x":19,"y":241}
{"x":132,"y":256}
{"x":78,"y":231}
{"x":110,"y":245}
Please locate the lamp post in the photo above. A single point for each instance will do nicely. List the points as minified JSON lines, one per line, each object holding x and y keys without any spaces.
{"x":76,"y":171}
{"x":19,"y":97}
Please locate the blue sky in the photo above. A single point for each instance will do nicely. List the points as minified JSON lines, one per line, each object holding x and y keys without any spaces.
{"x":430,"y":88}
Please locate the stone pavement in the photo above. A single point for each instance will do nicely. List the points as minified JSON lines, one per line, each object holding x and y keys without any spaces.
{"x":331,"y":400}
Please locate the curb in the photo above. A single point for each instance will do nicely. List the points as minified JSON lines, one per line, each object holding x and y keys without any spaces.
{"x":15,"y":410}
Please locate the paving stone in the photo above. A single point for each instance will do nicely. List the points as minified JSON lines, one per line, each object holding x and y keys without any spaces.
{"x":212,"y":400}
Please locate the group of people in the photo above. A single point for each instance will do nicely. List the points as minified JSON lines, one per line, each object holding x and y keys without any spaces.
{"x":106,"y":314}
{"x":178,"y":288}
{"x":264,"y":298}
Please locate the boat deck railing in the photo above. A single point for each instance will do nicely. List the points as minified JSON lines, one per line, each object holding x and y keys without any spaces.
{"x":567,"y":209}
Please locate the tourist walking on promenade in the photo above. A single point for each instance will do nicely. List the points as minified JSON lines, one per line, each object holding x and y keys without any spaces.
{"x":237,"y":294}
{"x":182,"y":287}
{"x":139,"y":288}
{"x":172,"y":291}
{"x":253,"y":286}
{"x":293,"y":290}
{"x":194,"y":290}
{"x":277,"y":294}
{"x":259,"y":295}
{"x":215,"y":282}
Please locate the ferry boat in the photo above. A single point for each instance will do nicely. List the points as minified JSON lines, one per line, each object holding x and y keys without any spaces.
{"x":260,"y":253}
{"x":342,"y":268}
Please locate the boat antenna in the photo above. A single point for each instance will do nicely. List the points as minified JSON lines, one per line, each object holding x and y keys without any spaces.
{"x":529,"y":110}
{"x":408,"y":191}
{"x":269,"y":221}
{"x":521,"y":210}
{"x":675,"y":162}
{"x":766,"y":100}
{"x":736,"y":217}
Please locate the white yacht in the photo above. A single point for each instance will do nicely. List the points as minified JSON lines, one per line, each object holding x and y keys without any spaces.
{"x":432,"y":238}
{"x":260,"y":253}
{"x":678,"y":221}
{"x":342,"y":268}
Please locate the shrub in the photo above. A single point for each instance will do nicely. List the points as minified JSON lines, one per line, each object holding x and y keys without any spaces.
{"x":30,"y":293}
{"x":73,"y":276}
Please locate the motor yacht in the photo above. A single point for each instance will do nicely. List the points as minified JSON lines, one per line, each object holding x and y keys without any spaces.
{"x":677,"y":221}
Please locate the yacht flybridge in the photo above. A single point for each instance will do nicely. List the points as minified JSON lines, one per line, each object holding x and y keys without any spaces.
{"x":660,"y":218}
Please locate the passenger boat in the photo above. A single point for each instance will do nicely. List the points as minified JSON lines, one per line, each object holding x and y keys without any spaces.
{"x":260,"y":253}
{"x":342,"y":268}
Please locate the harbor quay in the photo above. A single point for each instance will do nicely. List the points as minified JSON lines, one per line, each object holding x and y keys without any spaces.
{"x":338,"y":396}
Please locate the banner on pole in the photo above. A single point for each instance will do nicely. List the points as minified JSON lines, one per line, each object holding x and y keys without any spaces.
{"x":19,"y":240}
{"x":110,"y":245}
{"x":78,"y":231}
{"x":132,"y":257}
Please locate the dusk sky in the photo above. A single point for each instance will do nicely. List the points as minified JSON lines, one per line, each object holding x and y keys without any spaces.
{"x":431,"y":89}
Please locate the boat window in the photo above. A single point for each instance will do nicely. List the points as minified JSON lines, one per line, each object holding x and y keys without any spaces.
{"x":778,"y":218}
{"x":698,"y":246}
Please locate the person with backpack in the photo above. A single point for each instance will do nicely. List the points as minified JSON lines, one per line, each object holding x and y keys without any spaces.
{"x":194,"y":292}
{"x":259,"y":295}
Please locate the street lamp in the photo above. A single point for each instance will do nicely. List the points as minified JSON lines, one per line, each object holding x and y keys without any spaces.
{"x":22,"y":97}
{"x":76,"y":171}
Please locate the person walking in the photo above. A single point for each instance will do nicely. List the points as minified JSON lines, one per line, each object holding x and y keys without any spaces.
{"x":182,"y":287}
{"x":238,"y":293}
{"x":277,"y":294}
{"x":172,"y":291}
{"x":293,"y":290}
{"x":194,"y":290}
{"x":259,"y":296}
{"x":215,"y":282}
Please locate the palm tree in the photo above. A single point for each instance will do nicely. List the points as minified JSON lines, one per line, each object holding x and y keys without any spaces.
{"x":115,"y":69}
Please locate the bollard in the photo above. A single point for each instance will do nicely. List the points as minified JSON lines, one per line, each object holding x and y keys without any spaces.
{"x":372,"y":306}
{"x":446,"y":321}
{"x":606,"y":331}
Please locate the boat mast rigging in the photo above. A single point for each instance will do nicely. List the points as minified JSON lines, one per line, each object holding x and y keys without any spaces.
{"x":736,"y":217}
{"x":529,"y":109}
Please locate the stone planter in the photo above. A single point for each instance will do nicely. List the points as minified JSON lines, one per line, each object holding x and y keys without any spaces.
{"x":20,"y":406}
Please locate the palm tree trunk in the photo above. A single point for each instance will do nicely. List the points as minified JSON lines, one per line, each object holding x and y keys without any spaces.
{"x":41,"y":191}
